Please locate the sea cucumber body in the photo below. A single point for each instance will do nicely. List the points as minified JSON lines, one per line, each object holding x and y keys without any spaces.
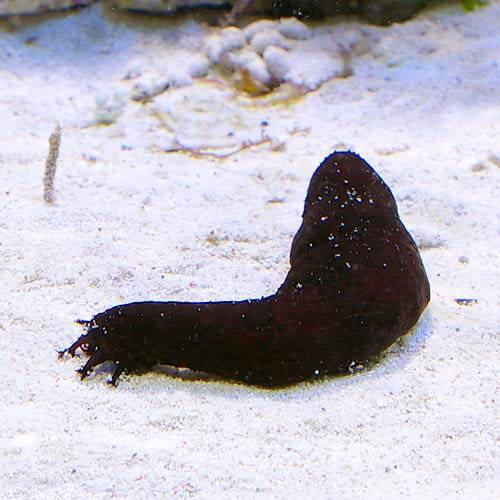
{"x":356,"y":283}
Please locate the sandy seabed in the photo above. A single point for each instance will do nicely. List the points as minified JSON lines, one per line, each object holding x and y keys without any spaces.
{"x":134,"y":222}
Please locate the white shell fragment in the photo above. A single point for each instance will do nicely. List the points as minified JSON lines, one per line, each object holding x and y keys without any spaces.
{"x":211,"y":119}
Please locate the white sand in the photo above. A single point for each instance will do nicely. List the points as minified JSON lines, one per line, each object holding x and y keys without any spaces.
{"x":133,"y":223}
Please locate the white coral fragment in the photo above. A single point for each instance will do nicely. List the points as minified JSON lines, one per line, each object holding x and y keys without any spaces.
{"x":264,"y":39}
{"x":294,"y":29}
{"x":229,"y":39}
{"x":303,"y":67}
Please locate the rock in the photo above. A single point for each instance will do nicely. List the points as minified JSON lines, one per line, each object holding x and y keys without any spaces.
{"x":17,"y":7}
{"x":306,"y":9}
{"x":375,"y":11}
{"x":206,"y":117}
{"x":303,"y":67}
{"x":388,"y":11}
{"x":165,"y":6}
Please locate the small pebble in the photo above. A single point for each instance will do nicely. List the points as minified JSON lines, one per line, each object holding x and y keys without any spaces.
{"x":198,"y":67}
{"x":478,"y":167}
{"x":264,"y":39}
{"x":248,"y":61}
{"x":257,"y":69}
{"x":466,"y":302}
{"x":108,"y":107}
{"x":179,"y":79}
{"x":277,"y":63}
{"x":133,"y":72}
{"x":238,"y":59}
{"x":252,"y":29}
{"x":495,"y":159}
{"x":294,"y":29}
{"x":353,"y":41}
{"x":152,"y":85}
{"x":231,"y":38}
{"x":149,"y":86}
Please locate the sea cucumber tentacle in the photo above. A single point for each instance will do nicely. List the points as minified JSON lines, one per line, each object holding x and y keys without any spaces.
{"x":81,"y":342}
{"x":95,"y":359}
{"x":116,"y":374}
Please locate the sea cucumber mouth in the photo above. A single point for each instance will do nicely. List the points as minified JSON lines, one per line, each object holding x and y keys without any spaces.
{"x":92,"y":344}
{"x":87,"y":342}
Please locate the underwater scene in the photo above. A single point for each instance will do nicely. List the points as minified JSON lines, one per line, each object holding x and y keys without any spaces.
{"x":249,"y":249}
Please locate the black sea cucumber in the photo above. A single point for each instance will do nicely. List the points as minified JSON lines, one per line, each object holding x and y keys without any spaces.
{"x":356,"y":283}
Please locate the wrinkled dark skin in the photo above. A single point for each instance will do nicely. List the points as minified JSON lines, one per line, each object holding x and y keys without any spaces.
{"x":356,"y":283}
